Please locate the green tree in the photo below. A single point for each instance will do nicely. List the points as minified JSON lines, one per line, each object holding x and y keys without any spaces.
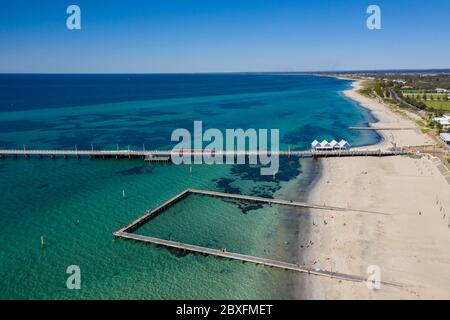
{"x":377,"y":89}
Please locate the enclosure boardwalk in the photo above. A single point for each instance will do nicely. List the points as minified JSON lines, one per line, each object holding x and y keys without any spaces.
{"x":127,"y":233}
{"x":153,"y":213}
{"x":279,"y":201}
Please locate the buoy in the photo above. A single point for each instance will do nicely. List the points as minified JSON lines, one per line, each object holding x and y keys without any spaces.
{"x":42,"y":242}
{"x":123,"y":193}
{"x":190,"y":169}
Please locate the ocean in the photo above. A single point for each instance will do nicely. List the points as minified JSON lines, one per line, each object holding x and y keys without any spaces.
{"x":76,"y":205}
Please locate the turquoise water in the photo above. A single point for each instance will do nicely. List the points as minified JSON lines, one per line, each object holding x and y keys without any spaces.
{"x":262,"y":230}
{"x":77,"y":204}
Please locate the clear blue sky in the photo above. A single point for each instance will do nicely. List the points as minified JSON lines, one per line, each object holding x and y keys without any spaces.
{"x":219,"y":35}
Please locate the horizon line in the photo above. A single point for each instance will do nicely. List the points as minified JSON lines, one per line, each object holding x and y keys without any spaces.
{"x":236,"y":72}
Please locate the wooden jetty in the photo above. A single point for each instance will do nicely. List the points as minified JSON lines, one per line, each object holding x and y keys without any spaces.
{"x":382,"y":128}
{"x":246,"y":258}
{"x":165,"y":155}
{"x":153,"y":213}
{"x":271,"y":201}
{"x":126,"y":233}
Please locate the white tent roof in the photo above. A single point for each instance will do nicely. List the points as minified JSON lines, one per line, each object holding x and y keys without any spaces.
{"x":324,"y":143}
{"x":332,"y":144}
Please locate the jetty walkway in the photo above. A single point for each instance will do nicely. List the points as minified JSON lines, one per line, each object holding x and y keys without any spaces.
{"x":383,"y":128}
{"x":165,"y":155}
{"x":242,"y":257}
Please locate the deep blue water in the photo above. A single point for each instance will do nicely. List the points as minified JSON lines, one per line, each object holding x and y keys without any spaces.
{"x":35,"y":91}
{"x":62,"y":111}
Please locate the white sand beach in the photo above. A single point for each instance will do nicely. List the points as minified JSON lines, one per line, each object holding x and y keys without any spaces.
{"x":411,"y":245}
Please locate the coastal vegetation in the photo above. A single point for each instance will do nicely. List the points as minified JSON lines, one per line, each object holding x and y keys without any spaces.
{"x":425,"y":92}
{"x":436,"y":103}
{"x":427,"y":101}
{"x":424,"y":127}
{"x":367,"y":88}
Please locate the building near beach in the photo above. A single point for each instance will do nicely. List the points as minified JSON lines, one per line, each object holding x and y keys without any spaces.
{"x":325,"y":145}
{"x":344,"y":145}
{"x":329,"y":146}
{"x":315,"y":144}
{"x":445,"y":137}
{"x":334,"y":144}
{"x":444,"y":121}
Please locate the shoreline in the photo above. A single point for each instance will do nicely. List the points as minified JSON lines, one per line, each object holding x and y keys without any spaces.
{"x":311,"y":174}
{"x":416,"y":194}
{"x":305,"y":231}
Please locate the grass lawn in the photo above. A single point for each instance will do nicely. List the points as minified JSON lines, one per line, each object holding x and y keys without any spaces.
{"x":438,"y":105}
{"x":419,"y":96}
{"x":367,"y":87}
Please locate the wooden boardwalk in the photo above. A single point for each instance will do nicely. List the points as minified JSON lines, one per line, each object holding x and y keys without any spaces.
{"x":280,"y":202}
{"x":126,"y":233}
{"x":382,"y":128}
{"x":245,"y":258}
{"x":164,"y":154}
{"x":153,"y":213}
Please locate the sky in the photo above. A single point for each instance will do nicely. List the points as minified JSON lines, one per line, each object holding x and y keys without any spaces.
{"x":137,"y":36}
